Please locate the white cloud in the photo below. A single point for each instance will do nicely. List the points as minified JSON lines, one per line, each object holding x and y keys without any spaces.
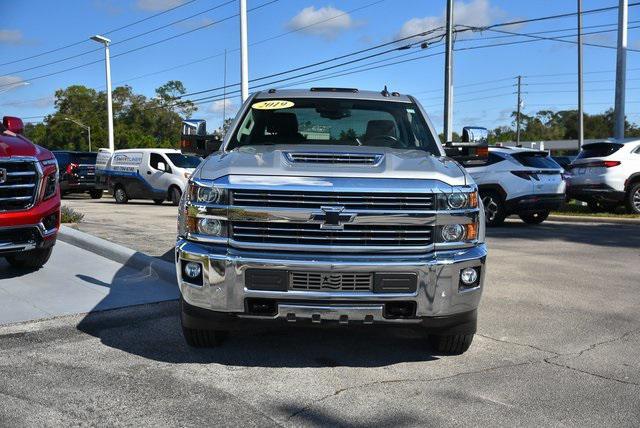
{"x":195,"y":23}
{"x":475,"y":13}
{"x":11,"y":37}
{"x":219,"y":106}
{"x":157,"y":5}
{"x":9,"y":83}
{"x":326,"y":21}
{"x":44,"y":102}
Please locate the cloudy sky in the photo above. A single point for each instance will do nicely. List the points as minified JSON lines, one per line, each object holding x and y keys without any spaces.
{"x":44,"y":46}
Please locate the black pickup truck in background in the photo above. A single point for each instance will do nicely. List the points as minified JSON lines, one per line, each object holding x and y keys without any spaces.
{"x":194,"y":139}
{"x":77,"y":173}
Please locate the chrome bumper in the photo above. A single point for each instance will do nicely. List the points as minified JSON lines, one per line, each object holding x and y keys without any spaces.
{"x":438,"y":293}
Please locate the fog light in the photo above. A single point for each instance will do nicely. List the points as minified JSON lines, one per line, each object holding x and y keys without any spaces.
{"x":469,"y":276}
{"x":192,"y":270}
{"x":210,"y":226}
{"x":452,"y":232}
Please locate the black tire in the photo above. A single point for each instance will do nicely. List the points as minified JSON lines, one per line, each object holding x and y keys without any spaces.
{"x":158,"y":201}
{"x":95,"y":194}
{"x":632,"y":201}
{"x":456,"y":344}
{"x":534,"y":218}
{"x":174,"y":196}
{"x":494,"y":209}
{"x":601,"y":207}
{"x":33,"y":259}
{"x":120,"y":195}
{"x":197,"y":338}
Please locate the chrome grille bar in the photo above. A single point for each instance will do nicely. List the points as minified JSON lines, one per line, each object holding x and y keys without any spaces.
{"x":18,"y":189}
{"x":297,"y":199}
{"x":330,"y":281}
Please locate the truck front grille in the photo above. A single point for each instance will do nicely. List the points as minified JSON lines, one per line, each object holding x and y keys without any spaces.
{"x":18,"y":185}
{"x":364,"y":237}
{"x":330,"y":281}
{"x":351,"y":200}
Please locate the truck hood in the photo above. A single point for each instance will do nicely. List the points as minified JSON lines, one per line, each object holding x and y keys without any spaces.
{"x":19,"y":146}
{"x":272,"y":161}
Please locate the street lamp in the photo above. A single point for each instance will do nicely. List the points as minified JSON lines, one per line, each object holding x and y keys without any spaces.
{"x":88,"y":128}
{"x":106,"y":42}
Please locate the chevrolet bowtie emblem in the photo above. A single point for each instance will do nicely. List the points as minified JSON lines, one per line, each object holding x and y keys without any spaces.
{"x":3,"y":175}
{"x":332,"y":218}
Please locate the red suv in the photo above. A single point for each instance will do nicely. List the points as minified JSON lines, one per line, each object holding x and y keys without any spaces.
{"x":29,"y":198}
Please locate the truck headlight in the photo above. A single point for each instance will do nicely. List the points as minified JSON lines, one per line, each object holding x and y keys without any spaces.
{"x":452,"y":232}
{"x":205,"y":194}
{"x":210,"y":226}
{"x":457,"y":200}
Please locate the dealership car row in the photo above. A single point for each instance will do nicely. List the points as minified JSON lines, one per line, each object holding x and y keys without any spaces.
{"x":338,"y":206}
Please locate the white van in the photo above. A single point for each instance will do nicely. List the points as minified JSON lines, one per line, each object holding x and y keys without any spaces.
{"x":157,"y":174}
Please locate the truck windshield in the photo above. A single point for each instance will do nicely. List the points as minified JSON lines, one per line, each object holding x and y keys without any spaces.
{"x":335,"y":122}
{"x":184,"y":161}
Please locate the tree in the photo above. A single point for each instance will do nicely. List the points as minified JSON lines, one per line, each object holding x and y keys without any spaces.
{"x":138,"y":121}
{"x":170,"y":94}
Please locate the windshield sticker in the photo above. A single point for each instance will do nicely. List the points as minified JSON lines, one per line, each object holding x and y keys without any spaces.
{"x":411,"y":111}
{"x":272,"y":105}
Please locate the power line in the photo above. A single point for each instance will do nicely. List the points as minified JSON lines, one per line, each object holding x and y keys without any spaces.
{"x":131,"y":38}
{"x":144,"y":46}
{"x":105,"y":32}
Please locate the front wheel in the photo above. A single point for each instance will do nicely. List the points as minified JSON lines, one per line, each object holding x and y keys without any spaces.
{"x":158,"y":201}
{"x":120,"y":195}
{"x":174,"y":195}
{"x":33,"y":259}
{"x":602,"y":207}
{"x":455,"y":344}
{"x":494,"y":209}
{"x":633,"y":199}
{"x":95,"y":194}
{"x":535,"y":218}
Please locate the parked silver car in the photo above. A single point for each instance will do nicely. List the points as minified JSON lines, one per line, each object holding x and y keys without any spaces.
{"x":331,"y":206}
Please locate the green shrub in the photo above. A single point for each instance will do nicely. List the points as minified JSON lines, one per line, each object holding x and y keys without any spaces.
{"x":69,"y":215}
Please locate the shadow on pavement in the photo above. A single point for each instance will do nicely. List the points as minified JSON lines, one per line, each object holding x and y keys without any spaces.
{"x":153,"y":331}
{"x":8,"y":272}
{"x":609,"y":235}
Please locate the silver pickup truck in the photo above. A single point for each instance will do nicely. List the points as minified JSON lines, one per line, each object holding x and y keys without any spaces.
{"x":331,"y":206}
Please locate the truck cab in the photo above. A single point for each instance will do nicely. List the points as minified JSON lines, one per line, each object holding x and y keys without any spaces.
{"x":331,"y":206}
{"x":29,"y":198}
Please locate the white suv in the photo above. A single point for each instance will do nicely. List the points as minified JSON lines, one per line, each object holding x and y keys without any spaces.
{"x":606,"y":174}
{"x":519,"y":181}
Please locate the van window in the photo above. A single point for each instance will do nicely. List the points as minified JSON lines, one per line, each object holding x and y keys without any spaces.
{"x":155,"y":159}
{"x":598,"y":150}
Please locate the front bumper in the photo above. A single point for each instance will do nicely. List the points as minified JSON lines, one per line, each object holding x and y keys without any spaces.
{"x":438,"y":295}
{"x":30,"y":229}
{"x":590,"y":192}
{"x":533,"y":203}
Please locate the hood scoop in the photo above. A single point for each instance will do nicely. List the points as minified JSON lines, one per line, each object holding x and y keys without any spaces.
{"x":337,"y":158}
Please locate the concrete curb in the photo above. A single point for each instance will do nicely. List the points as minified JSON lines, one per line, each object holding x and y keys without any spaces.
{"x":588,"y":219}
{"x":118,"y":253}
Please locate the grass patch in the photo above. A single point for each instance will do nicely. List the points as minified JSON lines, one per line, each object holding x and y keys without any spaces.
{"x":577,"y":209}
{"x":69,"y":215}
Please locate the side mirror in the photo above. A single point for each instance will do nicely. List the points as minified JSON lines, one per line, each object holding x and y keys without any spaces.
{"x":473,"y":150}
{"x":162,"y":167}
{"x":13,"y":124}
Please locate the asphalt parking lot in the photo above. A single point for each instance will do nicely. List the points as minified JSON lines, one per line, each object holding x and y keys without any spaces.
{"x":558,"y":344}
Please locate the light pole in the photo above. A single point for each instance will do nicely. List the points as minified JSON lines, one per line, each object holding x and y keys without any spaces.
{"x":448,"y":76}
{"x":621,"y":69}
{"x":88,"y":128}
{"x":105,"y":42}
{"x":244,"y":54}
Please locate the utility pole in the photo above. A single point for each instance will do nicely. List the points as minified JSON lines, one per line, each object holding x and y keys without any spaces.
{"x":518,"y":111}
{"x":621,"y":69}
{"x":244,"y":55}
{"x":580,"y":83}
{"x":448,"y":76}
